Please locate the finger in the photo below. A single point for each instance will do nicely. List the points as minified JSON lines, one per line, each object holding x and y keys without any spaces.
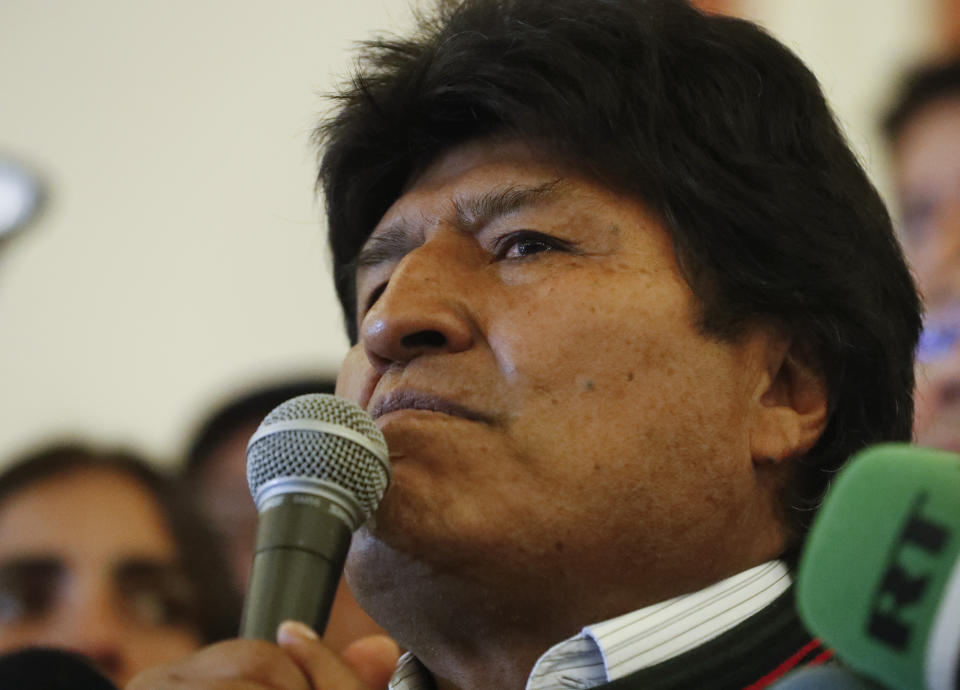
{"x":237,"y":664}
{"x":324,"y":668}
{"x":373,"y":658}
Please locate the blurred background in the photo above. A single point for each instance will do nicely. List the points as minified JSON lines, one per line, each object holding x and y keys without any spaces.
{"x":178,"y":254}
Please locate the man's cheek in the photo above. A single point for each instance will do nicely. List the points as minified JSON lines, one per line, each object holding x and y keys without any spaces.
{"x":354,"y":382}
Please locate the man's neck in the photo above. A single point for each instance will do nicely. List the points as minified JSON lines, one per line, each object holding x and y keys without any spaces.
{"x":489,"y":661}
{"x":483,"y":656}
{"x":475,"y":630}
{"x":471,"y":676}
{"x":484,"y":647}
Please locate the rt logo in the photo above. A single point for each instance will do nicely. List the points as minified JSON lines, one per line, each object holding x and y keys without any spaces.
{"x":899,"y":589}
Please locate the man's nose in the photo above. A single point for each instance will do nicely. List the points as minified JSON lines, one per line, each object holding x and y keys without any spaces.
{"x":423,"y":308}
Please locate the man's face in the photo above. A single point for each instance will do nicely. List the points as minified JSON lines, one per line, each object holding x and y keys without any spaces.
{"x":528,"y":347}
{"x":928,"y":184}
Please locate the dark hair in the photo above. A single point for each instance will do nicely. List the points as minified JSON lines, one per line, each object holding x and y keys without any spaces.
{"x":712,"y":123}
{"x":245,"y":409}
{"x":920,"y":87}
{"x":216,"y":610}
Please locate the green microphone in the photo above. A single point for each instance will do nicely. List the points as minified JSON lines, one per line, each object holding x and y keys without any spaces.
{"x":317,"y":468}
{"x":879,"y":579}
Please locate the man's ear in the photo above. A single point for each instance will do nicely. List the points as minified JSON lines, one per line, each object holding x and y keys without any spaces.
{"x":791,"y":403}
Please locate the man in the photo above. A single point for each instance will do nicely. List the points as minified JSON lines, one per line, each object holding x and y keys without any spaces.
{"x":622,"y":302}
{"x":923,"y":128}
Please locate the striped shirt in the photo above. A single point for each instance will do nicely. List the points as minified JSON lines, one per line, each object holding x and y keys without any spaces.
{"x":614,"y":649}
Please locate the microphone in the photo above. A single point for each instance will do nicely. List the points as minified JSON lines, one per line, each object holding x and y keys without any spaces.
{"x":317,"y":468}
{"x":48,"y":668}
{"x":879,"y":579}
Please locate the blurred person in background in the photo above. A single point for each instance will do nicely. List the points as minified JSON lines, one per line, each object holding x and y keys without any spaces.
{"x":101,"y":555}
{"x":216,"y":470}
{"x":923,"y":127}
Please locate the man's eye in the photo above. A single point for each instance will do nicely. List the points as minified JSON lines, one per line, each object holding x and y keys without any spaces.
{"x":374,"y":296}
{"x":526,"y":243}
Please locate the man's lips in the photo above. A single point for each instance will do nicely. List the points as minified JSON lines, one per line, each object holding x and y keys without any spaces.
{"x":406,"y":399}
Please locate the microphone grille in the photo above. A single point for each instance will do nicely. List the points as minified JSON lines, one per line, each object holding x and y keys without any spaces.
{"x":285,"y":446}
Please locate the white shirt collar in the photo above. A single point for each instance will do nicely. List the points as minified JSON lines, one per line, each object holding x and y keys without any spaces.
{"x":607,"y":651}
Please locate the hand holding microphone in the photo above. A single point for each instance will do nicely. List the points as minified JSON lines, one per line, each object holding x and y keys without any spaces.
{"x":317,"y":468}
{"x":300,"y":662}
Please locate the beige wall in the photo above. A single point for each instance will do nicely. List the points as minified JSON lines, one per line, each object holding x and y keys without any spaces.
{"x":181,"y":254}
{"x":858,"y":49}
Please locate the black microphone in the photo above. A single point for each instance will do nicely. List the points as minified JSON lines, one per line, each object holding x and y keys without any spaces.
{"x":46,"y":668}
{"x":317,"y":468}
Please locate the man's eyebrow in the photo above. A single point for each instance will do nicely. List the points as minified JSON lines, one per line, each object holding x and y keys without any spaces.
{"x":472,"y":213}
{"x":391,"y":244}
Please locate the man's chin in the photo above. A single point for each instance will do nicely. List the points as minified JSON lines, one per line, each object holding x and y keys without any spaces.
{"x":381,"y":574}
{"x":377,"y":555}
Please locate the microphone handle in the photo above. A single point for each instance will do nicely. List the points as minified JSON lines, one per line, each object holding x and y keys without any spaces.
{"x":301,"y":546}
